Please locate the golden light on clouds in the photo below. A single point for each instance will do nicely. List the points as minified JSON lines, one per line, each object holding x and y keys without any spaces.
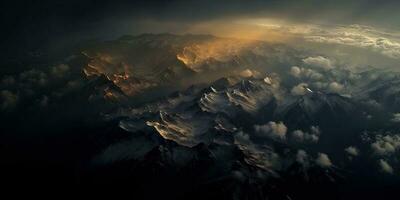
{"x":240,"y":29}
{"x":194,"y":56}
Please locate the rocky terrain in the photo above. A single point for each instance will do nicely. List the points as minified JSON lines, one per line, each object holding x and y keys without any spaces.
{"x":240,"y":119}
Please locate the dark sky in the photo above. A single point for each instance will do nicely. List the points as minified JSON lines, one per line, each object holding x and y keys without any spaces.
{"x":29,"y":24}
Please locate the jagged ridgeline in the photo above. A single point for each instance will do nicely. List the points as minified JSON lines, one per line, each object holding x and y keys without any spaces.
{"x":139,"y":64}
{"x":198,"y":112}
{"x":246,"y":111}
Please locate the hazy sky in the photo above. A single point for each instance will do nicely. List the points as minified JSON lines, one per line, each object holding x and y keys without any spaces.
{"x":31,"y":23}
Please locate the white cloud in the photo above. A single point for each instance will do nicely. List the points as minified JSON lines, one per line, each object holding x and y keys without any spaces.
{"x":384,"y":46}
{"x":298,"y":135}
{"x":300,"y":89}
{"x":295,"y":71}
{"x":311,"y":137}
{"x":246,"y":73}
{"x":323,"y":160}
{"x":300,"y":72}
{"x":242,"y":138}
{"x":301,"y":156}
{"x":382,"y":148}
{"x":358,"y":36}
{"x":272,"y":130}
{"x":319,"y":62}
{"x":315,"y":130}
{"x":320,"y":85}
{"x":301,"y":136}
{"x":352,"y":151}
{"x":335,"y":87}
{"x":385,"y":167}
{"x":396,"y":117}
{"x":386,"y":145}
{"x":384,"y":42}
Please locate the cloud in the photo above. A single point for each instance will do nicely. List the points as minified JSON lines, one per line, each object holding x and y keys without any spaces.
{"x":301,"y":136}
{"x":382,"y":148}
{"x":319,"y":62}
{"x":33,"y":77}
{"x":320,"y":85}
{"x":301,"y":156}
{"x":323,"y":160}
{"x":295,"y":71}
{"x":242,"y":138}
{"x":300,"y":72}
{"x":386,"y":145}
{"x":60,"y":70}
{"x":365,"y":37}
{"x":8,"y":100}
{"x":335,"y":87}
{"x":385,"y":167}
{"x":74,"y":84}
{"x":352,"y":151}
{"x":300,"y":89}
{"x":396,"y":117}
{"x":298,"y":135}
{"x":311,"y":137}
{"x":358,"y":38}
{"x":272,"y":130}
{"x":315,"y":130}
{"x":246,"y":73}
{"x":386,"y":43}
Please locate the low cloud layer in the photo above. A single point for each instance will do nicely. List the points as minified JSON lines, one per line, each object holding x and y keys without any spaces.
{"x":305,"y":73}
{"x":385,"y":167}
{"x":272,"y":130}
{"x":335,"y":87}
{"x":301,"y":156}
{"x":385,"y":145}
{"x":301,"y":136}
{"x":358,"y":36}
{"x":60,"y":70}
{"x":384,"y":42}
{"x":319,"y":62}
{"x":323,"y":160}
{"x":396,"y":117}
{"x":300,"y":89}
{"x":352,"y":151}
